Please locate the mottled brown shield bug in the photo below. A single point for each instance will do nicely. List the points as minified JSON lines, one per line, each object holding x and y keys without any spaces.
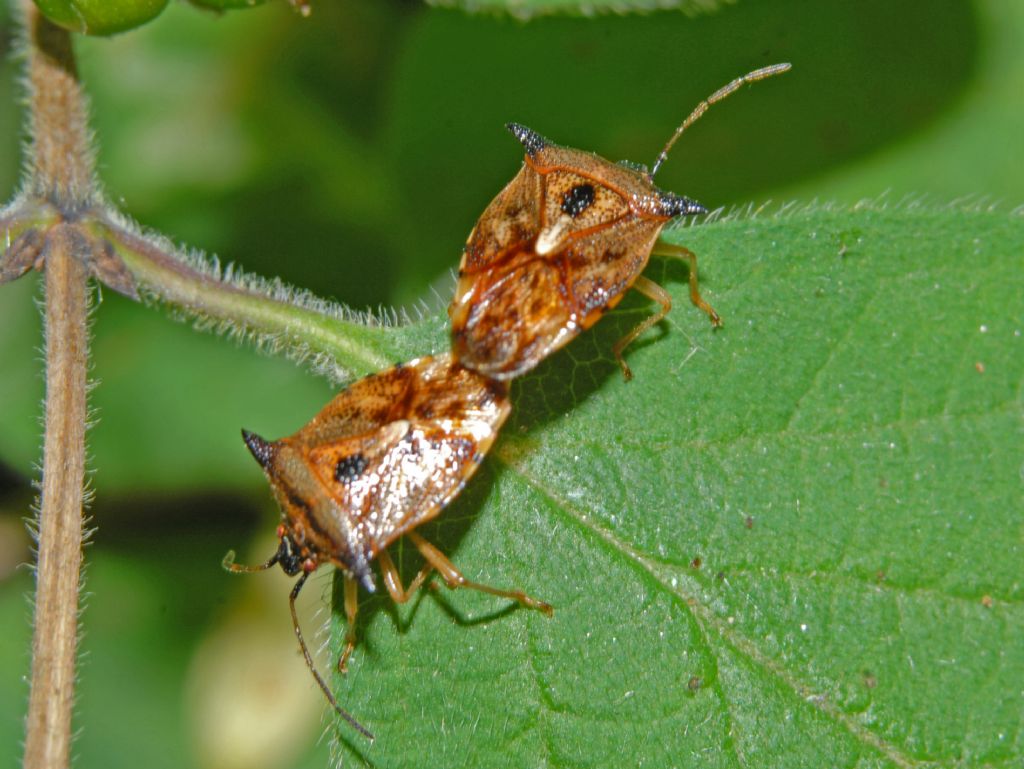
{"x":383,"y":457}
{"x":560,"y":245}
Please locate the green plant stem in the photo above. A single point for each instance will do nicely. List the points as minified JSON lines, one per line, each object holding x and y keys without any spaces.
{"x":20,"y":216}
{"x":276,"y":316}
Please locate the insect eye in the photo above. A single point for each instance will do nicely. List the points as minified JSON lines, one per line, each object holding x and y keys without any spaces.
{"x":578,"y":199}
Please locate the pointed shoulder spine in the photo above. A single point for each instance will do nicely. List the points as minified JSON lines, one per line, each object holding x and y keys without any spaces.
{"x":532,"y":141}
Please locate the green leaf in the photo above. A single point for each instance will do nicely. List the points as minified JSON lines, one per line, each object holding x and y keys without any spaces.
{"x":793,"y":542}
{"x":924,"y":103}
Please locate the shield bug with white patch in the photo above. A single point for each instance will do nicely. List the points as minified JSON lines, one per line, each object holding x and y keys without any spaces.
{"x":561,"y":245}
{"x":384,"y":456}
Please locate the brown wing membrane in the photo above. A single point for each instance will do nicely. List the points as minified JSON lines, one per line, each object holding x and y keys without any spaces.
{"x":515,"y":315}
{"x":381,"y":458}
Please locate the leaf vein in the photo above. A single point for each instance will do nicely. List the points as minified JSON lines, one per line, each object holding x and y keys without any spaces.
{"x":703,"y":616}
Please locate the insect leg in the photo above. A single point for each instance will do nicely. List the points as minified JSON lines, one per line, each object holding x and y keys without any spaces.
{"x":237,"y":568}
{"x":661,"y":248}
{"x":454,"y":579}
{"x":351,"y":609}
{"x":651,"y":290}
{"x":393,"y":581}
{"x":312,"y":667}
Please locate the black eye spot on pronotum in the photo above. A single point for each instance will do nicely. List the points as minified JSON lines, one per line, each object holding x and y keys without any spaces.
{"x":350,"y":468}
{"x":578,"y":199}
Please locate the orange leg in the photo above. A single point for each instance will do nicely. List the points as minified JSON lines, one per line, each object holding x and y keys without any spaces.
{"x":394,"y":585}
{"x":393,"y":581}
{"x":651,"y":290}
{"x":351,"y":609}
{"x":454,"y":579}
{"x":436,"y":561}
{"x":661,"y":248}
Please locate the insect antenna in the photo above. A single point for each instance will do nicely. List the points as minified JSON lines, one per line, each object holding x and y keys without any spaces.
{"x":283,"y":556}
{"x":717,"y":96}
{"x":312,"y":667}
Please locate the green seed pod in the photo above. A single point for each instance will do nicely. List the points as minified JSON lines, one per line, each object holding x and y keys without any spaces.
{"x":226,"y":5}
{"x":100,"y":17}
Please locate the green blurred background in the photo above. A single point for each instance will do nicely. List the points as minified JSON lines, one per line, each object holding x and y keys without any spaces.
{"x":350,"y":153}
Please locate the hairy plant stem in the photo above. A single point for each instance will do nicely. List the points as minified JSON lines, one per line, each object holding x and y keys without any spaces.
{"x":60,"y":170}
{"x":58,"y":566}
{"x":279,"y":317}
{"x":61,"y":223}
{"x":60,"y":157}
